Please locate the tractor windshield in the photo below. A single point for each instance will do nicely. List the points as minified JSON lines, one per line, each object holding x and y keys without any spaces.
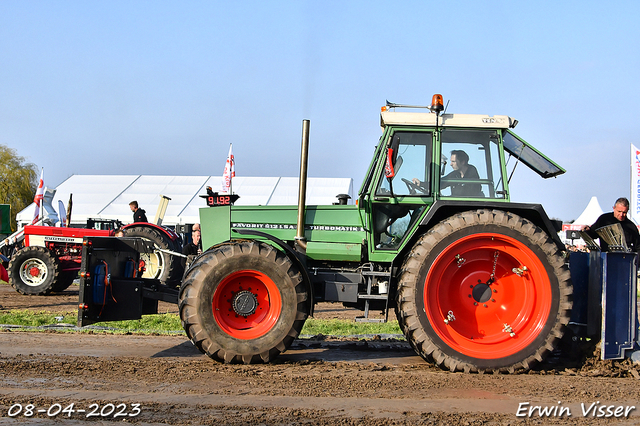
{"x":470,"y":164}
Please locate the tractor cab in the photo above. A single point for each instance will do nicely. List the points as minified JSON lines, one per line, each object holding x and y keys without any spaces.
{"x":424,"y":157}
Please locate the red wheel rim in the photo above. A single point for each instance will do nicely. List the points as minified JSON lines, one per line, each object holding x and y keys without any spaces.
{"x":487,"y":321}
{"x":233,"y":304}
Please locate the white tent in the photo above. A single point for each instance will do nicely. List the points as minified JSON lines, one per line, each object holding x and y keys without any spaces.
{"x":108,"y":196}
{"x":590,"y":214}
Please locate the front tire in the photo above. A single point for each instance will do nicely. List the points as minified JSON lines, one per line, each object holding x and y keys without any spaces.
{"x":33,"y":271}
{"x":484,"y":291}
{"x":244,"y":302}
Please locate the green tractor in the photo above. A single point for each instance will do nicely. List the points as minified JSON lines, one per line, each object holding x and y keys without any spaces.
{"x":478,"y":283}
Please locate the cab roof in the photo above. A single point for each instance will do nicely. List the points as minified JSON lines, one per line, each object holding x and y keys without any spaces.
{"x":388,"y":118}
{"x":513,"y":144}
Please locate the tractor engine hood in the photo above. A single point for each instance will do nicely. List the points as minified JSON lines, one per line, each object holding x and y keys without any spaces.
{"x":333,"y":232}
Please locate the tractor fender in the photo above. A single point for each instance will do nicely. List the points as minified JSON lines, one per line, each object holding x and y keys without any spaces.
{"x":535,"y":213}
{"x":169,"y":232}
{"x":291,"y":254}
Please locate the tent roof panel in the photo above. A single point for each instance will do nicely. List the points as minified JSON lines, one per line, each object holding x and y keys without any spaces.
{"x":108,"y":196}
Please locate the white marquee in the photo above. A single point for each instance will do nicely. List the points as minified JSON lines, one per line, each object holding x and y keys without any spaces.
{"x":108,"y":196}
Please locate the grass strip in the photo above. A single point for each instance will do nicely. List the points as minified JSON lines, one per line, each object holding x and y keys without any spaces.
{"x":170,"y":323}
{"x":337,"y":327}
{"x":36,"y":318}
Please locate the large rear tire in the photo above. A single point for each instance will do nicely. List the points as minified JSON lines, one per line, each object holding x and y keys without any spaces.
{"x":159,"y":265}
{"x":484,"y":290}
{"x":244,"y":302}
{"x":33,"y":270}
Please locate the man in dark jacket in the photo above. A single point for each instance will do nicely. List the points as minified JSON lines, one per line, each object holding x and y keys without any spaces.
{"x":138,"y":213}
{"x":618,"y":215}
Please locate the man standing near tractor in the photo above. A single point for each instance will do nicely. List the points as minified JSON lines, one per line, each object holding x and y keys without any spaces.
{"x":192,"y":248}
{"x":138,"y":213}
{"x":618,"y":215}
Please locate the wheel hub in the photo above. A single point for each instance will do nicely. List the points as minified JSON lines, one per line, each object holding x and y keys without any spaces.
{"x":33,"y":272}
{"x":244,"y":303}
{"x":481,"y":292}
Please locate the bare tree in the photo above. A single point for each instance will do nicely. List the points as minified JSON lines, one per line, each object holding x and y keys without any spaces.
{"x":18,"y":181}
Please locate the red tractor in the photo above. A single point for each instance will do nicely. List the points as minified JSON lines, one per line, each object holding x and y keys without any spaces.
{"x":45,"y":259}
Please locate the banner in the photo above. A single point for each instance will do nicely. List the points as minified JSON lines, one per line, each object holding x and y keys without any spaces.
{"x":229,"y":172}
{"x":634,"y":208}
{"x":5,"y":219}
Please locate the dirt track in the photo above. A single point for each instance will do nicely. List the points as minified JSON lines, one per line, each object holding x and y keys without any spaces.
{"x":314,"y":383}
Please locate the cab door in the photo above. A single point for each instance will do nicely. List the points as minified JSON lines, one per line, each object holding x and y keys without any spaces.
{"x":401,"y":190}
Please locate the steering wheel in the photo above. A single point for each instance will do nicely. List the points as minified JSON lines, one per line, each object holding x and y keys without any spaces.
{"x":413,"y":188}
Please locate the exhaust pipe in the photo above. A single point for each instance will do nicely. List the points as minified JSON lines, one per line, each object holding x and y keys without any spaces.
{"x":301,"y":241}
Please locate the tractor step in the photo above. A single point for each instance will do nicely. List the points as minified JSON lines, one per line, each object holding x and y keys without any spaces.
{"x":363,"y":319}
{"x":366,"y":296}
{"x":374,"y":280}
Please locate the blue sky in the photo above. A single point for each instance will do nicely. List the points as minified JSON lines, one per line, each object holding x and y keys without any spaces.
{"x":157,"y":87}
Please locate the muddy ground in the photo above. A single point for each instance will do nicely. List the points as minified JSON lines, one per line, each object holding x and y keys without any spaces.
{"x":316,"y":382}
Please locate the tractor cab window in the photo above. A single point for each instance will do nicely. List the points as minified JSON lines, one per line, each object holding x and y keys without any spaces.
{"x":470,"y":164}
{"x":410,"y":156}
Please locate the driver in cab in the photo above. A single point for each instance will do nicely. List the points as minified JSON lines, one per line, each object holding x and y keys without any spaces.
{"x":462,"y":171}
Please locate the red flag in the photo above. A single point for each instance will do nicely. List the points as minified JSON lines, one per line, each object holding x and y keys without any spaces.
{"x":38,"y":198}
{"x":229,"y":171}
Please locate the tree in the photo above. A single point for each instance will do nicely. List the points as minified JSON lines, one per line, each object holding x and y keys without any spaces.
{"x":18,"y":181}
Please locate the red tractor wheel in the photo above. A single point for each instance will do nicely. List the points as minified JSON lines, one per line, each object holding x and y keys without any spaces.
{"x":484,"y":291}
{"x":33,"y":270}
{"x":243,"y":302}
